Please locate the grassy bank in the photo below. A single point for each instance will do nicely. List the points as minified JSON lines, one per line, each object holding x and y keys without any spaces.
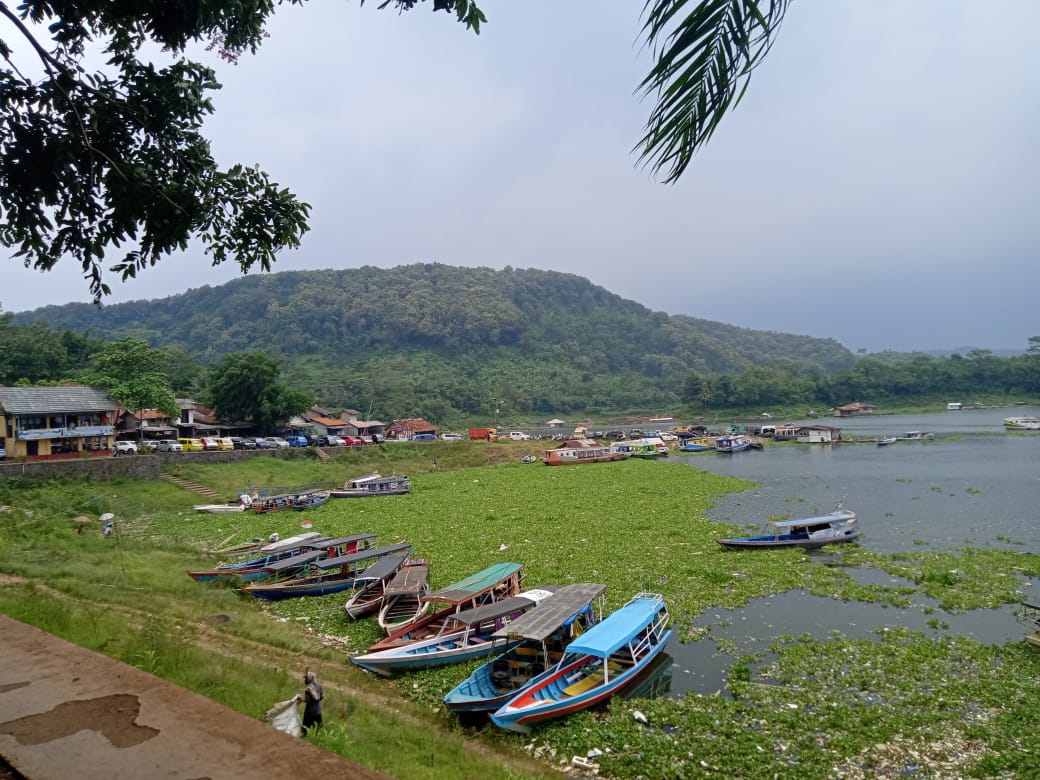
{"x":818,"y":704}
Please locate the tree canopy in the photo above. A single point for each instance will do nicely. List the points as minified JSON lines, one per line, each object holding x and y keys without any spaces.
{"x":247,"y":386}
{"x":135,"y":376}
{"x":98,"y":160}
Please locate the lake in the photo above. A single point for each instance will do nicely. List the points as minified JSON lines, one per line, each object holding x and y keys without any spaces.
{"x":973,"y":485}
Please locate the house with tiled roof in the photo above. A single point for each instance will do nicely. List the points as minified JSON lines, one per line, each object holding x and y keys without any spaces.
{"x":409,"y":427}
{"x":146,"y":425}
{"x":53,"y":422}
{"x":851,"y":410}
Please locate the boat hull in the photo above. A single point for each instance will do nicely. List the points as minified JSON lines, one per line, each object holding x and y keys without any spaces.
{"x":758,"y":542}
{"x":439,"y":651}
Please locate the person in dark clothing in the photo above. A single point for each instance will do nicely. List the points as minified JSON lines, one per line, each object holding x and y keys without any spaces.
{"x":312,"y":696}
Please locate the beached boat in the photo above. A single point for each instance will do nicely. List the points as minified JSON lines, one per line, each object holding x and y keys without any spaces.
{"x":916,"y":436}
{"x":542,"y":634}
{"x":575,"y":451}
{"x":1030,"y":617}
{"x":370,"y":585}
{"x":595,"y":666}
{"x":884,"y":441}
{"x":700,"y":444}
{"x":403,"y":598}
{"x":232,"y":507}
{"x":471,"y":633}
{"x":374,"y":485}
{"x":320,"y":575}
{"x":1022,"y":423}
{"x":810,"y":532}
{"x":257,"y":567}
{"x":486,"y":586}
{"x":648,"y":448}
{"x":737,"y":442}
{"x":310,"y":499}
{"x":264,"y":504}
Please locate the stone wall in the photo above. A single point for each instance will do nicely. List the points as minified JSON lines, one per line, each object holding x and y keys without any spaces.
{"x":136,"y":466}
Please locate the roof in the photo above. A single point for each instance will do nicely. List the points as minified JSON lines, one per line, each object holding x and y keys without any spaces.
{"x":475,"y":584}
{"x":54,"y":400}
{"x":329,"y":422}
{"x":495,"y":609}
{"x":293,"y":562}
{"x":414,"y":424}
{"x":362,"y":555}
{"x":383,"y":568}
{"x":324,"y":544}
{"x":409,"y":580}
{"x":617,"y":629}
{"x":552,"y":613}
{"x":823,"y":519}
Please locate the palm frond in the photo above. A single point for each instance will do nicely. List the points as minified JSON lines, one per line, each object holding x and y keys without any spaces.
{"x":702,"y":65}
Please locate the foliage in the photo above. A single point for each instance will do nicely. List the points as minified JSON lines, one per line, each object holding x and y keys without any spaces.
{"x":248,"y":387}
{"x":35,"y":352}
{"x":134,"y":375}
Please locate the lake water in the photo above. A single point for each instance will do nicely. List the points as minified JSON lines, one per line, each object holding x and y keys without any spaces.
{"x":973,"y":485}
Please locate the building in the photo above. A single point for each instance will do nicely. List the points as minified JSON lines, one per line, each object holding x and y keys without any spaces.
{"x":851,"y":410}
{"x":818,"y":434}
{"x":52,"y":422}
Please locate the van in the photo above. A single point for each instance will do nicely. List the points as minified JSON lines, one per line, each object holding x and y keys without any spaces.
{"x":192,"y":445}
{"x":225,"y":443}
{"x":519,"y":436}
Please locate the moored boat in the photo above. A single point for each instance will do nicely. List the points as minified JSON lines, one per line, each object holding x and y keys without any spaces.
{"x":309,"y":499}
{"x":884,"y":441}
{"x":1022,"y":423}
{"x":542,"y":635}
{"x":595,"y":666}
{"x":699,"y":444}
{"x":374,"y":484}
{"x":1030,"y":617}
{"x":258,"y":567}
{"x":370,"y":585}
{"x":736,"y":442}
{"x":810,"y":532}
{"x":484,"y":587}
{"x":916,"y":436}
{"x":403,"y":598}
{"x":471,"y":633}
{"x":232,"y":507}
{"x":264,"y":504}
{"x":576,"y":451}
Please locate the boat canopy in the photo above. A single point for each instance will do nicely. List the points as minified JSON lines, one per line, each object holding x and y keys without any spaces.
{"x":383,"y":568}
{"x":475,"y":584}
{"x":496,"y":609}
{"x":409,"y":581}
{"x":617,"y":629}
{"x":324,"y":544}
{"x":362,"y":555}
{"x":294,"y":562}
{"x":833,"y":518}
{"x":539,"y":624}
{"x":290,"y":542}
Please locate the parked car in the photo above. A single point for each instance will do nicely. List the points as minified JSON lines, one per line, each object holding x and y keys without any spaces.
{"x":353,"y":441}
{"x":519,"y":436}
{"x":169,"y":445}
{"x":277,"y":441}
{"x":423,"y":437}
{"x":192,"y":445}
{"x":264,"y":444}
{"x":3,"y":453}
{"x":124,"y":448}
{"x":210,"y":444}
{"x":225,"y":443}
{"x":334,"y":441}
{"x":297,"y":441}
{"x":243,"y":443}
{"x":451,"y":436}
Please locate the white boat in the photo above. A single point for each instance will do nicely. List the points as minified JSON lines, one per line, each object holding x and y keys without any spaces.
{"x":916,"y":436}
{"x":220,"y":509}
{"x":1022,"y":423}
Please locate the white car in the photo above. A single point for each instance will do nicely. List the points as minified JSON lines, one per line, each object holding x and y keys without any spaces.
{"x":336,"y":441}
{"x":519,"y":436}
{"x":277,"y":441}
{"x":124,"y":448}
{"x":169,"y":445}
{"x":451,"y":437}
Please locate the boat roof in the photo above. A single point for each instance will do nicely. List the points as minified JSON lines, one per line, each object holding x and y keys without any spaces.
{"x":495,"y":609}
{"x":618,"y":628}
{"x":383,"y":568}
{"x":844,"y":514}
{"x":410,"y":579}
{"x":361,"y":555}
{"x":475,"y":584}
{"x":538,"y":624}
{"x":366,"y":478}
{"x":291,"y":541}
{"x":294,"y":562}
{"x":324,"y":544}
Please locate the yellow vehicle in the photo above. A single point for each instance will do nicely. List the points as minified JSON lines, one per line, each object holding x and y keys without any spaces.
{"x":225,"y":443}
{"x":192,"y":445}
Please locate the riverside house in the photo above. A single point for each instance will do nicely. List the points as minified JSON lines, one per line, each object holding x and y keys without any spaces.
{"x":56,"y":422}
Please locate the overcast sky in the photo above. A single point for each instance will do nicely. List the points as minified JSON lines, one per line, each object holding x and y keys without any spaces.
{"x":877,"y":185}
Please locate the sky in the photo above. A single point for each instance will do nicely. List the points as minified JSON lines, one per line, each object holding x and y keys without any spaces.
{"x":877,"y":184}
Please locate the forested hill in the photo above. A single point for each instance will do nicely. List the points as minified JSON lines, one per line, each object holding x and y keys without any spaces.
{"x":494,"y":327}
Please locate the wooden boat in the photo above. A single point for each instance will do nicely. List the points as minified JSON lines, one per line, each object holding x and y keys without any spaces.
{"x":374,"y":485}
{"x":884,"y":441}
{"x":491,"y":584}
{"x":259,"y":567}
{"x":542,"y":636}
{"x":310,"y":499}
{"x":916,"y":436}
{"x":736,"y":442}
{"x":471,"y":633}
{"x":370,"y":585}
{"x":231,"y":507}
{"x":641,"y":448}
{"x":264,"y":504}
{"x":1022,"y":423}
{"x":701,"y":444}
{"x":809,"y":532}
{"x":271,"y":544}
{"x":321,"y":575}
{"x":575,"y":451}
{"x":403,"y":598}
{"x":595,"y":666}
{"x":1030,"y":616}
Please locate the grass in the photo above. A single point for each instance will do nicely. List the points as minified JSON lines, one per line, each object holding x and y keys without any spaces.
{"x":816,"y":705}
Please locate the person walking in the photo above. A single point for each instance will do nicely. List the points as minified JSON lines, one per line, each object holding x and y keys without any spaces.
{"x":312,"y":696}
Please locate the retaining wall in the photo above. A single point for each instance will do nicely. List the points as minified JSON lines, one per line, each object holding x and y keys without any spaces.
{"x":102,"y":469}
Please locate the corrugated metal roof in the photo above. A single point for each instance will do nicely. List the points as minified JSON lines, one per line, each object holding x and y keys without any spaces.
{"x":54,"y":400}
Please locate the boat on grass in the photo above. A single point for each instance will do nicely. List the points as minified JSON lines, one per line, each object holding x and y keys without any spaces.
{"x":370,"y":585}
{"x":595,"y":666}
{"x":1022,"y":423}
{"x":494,"y":583}
{"x":263,"y":505}
{"x":310,"y":499}
{"x":736,"y":442}
{"x":231,"y":507}
{"x":471,"y":633}
{"x":542,"y":636}
{"x":648,"y":448}
{"x":374,"y":485}
{"x":1030,"y":617}
{"x":576,"y":451}
{"x":259,"y":567}
{"x":810,"y":532}
{"x":273,"y":543}
{"x":404,"y":596}
{"x":322,"y":574}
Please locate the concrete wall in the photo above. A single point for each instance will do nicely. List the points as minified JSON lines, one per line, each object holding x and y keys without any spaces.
{"x":136,"y":466}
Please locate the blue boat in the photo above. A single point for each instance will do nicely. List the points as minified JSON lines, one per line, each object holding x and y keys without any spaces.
{"x":309,"y":499}
{"x":254,"y":568}
{"x":542,"y":636}
{"x":596,"y":665}
{"x":471,"y":633}
{"x":733,"y":443}
{"x":809,"y":532}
